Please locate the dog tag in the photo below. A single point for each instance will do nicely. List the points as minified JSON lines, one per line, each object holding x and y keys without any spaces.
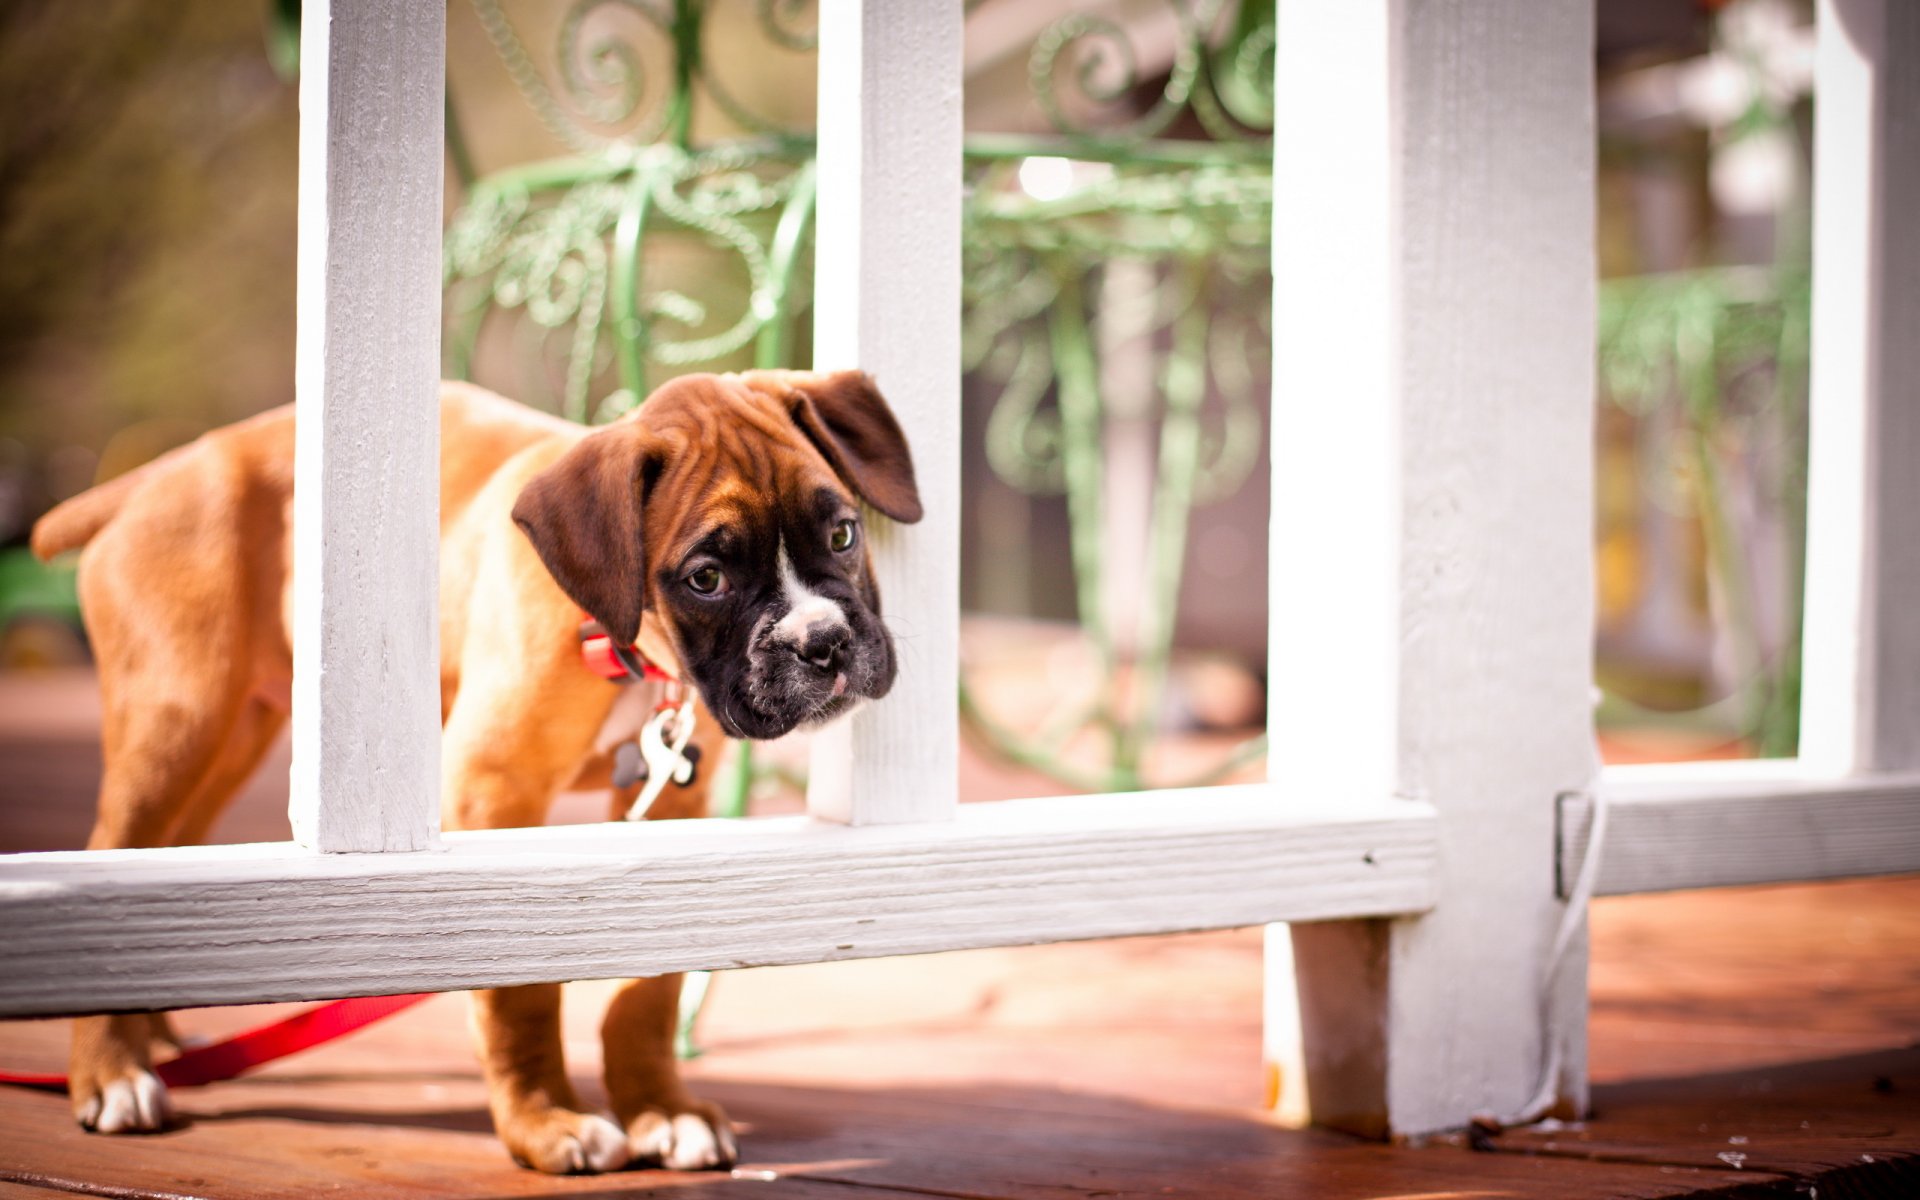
{"x":629,"y":767}
{"x":663,"y":751}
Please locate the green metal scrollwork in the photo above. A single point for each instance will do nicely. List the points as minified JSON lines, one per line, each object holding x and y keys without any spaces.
{"x":562,"y":242}
{"x":1031,"y":267}
{"x":1222,"y":76}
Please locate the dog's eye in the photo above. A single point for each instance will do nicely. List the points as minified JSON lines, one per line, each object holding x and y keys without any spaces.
{"x":706,"y":581}
{"x":843,"y":536}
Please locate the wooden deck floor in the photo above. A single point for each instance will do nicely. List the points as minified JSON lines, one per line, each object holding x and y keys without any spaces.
{"x":1758,"y":1042}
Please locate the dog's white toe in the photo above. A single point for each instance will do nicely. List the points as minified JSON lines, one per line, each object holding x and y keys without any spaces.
{"x":684,"y":1142}
{"x":694,"y":1144}
{"x":599,"y":1146}
{"x":136,"y":1103}
{"x":562,"y":1142}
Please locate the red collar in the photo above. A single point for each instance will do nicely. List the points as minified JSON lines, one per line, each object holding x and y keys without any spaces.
{"x":600,"y":654}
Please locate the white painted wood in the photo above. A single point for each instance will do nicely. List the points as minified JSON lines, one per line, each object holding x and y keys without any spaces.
{"x":232,"y":924}
{"x":366,"y":682}
{"x":1431,"y":603}
{"x":1283,"y":1054}
{"x":1669,"y":829}
{"x":1332,"y":583}
{"x":1861,"y":697}
{"x":887,"y":300}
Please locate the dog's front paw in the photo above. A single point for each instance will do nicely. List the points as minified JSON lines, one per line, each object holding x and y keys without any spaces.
{"x":695,"y":1138}
{"x":562,"y":1142}
{"x":130,"y":1100}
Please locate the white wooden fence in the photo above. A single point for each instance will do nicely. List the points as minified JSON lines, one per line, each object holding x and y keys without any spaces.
{"x":1433,"y":780}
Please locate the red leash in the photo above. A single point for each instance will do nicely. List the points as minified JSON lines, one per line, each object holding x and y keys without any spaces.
{"x":256,"y":1047}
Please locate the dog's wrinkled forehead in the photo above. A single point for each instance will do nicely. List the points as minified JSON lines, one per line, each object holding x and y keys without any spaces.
{"x":735,"y":467}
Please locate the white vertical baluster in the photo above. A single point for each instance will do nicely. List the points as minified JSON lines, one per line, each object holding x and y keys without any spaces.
{"x":1432,"y":616}
{"x":1333,"y":592}
{"x":887,"y":300}
{"x":1861,"y":699}
{"x":366,"y":704}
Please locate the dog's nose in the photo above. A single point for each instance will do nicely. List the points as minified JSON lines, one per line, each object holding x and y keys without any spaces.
{"x":825,"y":646}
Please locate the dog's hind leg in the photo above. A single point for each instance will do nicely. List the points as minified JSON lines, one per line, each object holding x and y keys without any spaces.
{"x":247,"y":742}
{"x":113,"y":1087}
{"x":155,"y":760}
{"x":173,"y":683}
{"x":149,"y":789}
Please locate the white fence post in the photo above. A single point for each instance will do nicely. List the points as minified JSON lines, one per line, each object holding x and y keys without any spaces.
{"x":1432,"y":616}
{"x":1861,"y":696}
{"x":887,"y":300}
{"x":366,"y":684}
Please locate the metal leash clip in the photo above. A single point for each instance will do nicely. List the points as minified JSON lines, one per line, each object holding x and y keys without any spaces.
{"x":665,"y":755}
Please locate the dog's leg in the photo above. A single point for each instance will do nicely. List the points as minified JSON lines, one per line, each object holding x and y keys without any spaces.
{"x":171,"y":693}
{"x":160,"y":1031}
{"x":110,"y":1066}
{"x":664,"y":1123}
{"x":113,"y":1086}
{"x":110,"y":1076}
{"x":515,"y":735}
{"x":247,"y":743}
{"x":535,"y":1111}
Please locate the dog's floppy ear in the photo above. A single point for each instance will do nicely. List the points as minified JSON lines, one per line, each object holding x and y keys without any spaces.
{"x":845,"y":417}
{"x":582,"y":515}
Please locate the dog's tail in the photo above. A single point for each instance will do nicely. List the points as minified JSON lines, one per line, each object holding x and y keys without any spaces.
{"x":73,"y":523}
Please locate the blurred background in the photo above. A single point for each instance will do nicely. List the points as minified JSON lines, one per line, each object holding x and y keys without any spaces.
{"x":1116,"y":401}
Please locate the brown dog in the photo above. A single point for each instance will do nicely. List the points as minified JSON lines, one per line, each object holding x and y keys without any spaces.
{"x":717,"y":527}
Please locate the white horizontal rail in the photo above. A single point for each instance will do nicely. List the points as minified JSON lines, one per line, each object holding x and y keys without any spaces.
{"x":124,"y":930}
{"x":1699,"y":826}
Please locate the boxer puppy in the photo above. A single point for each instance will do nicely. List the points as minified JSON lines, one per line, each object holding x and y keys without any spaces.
{"x":718,"y":528}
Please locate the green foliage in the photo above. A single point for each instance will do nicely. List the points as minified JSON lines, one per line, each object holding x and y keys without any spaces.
{"x":29,"y":587}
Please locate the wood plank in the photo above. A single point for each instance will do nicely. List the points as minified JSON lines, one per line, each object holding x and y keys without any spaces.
{"x":1035,"y":1146}
{"x":366,"y":664}
{"x":809,"y":1142}
{"x":1732,"y":979}
{"x":386,"y":1139}
{"x":1860,"y":707}
{"x":1697,"y":826}
{"x":887,"y":301}
{"x":44,"y":1189}
{"x":109,"y":930}
{"x":1434,"y":326}
{"x":1838,"y":1122}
